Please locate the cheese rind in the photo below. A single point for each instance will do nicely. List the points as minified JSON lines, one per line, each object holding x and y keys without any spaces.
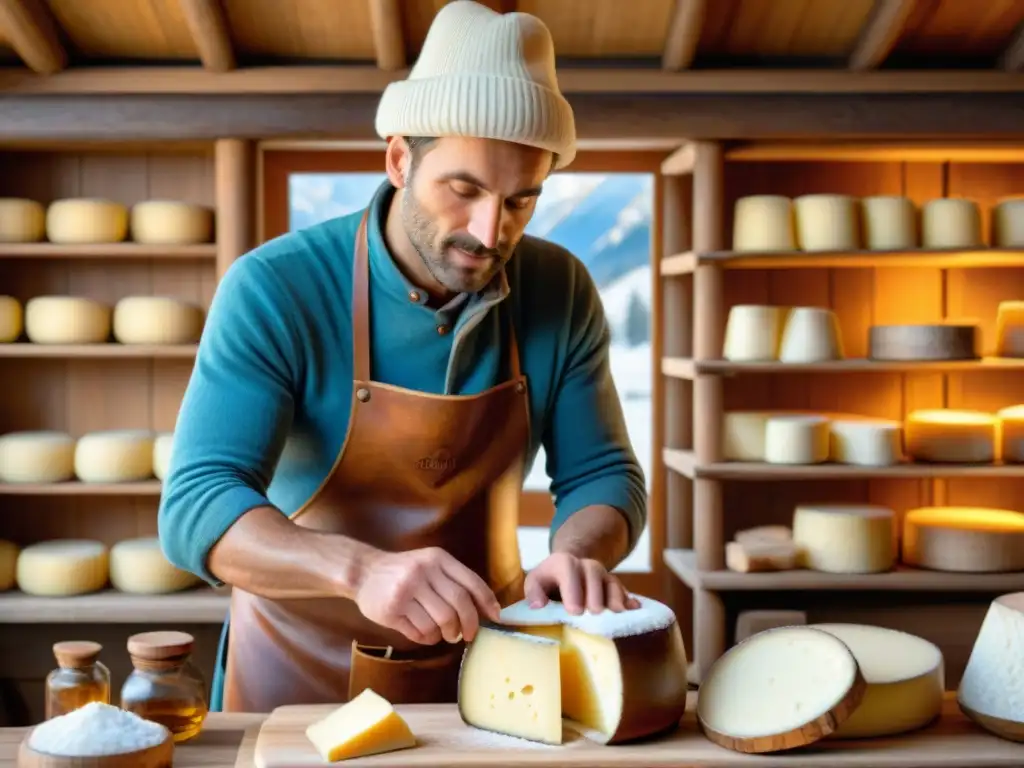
{"x":890,"y":223}
{"x":171,"y":222}
{"x":156,"y":320}
{"x":946,"y":341}
{"x":21,"y":220}
{"x":66,"y":320}
{"x":951,"y":436}
{"x":753,"y":333}
{"x":12,"y":319}
{"x":964,"y":539}
{"x":846,"y":538}
{"x":138,"y":566}
{"x":763,"y":223}
{"x":866,"y":442}
{"x":758,"y":556}
{"x":37,"y":457}
{"x":63,"y":567}
{"x":366,"y":725}
{"x":796,"y":440}
{"x":114,"y":456}
{"x":811,"y":335}
{"x":86,"y":220}
{"x":827,"y":222}
{"x":950,"y":222}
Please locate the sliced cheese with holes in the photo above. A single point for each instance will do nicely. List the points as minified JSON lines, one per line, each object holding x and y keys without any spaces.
{"x":21,"y":220}
{"x":951,"y":222}
{"x":367,"y":725}
{"x":86,"y":220}
{"x":114,"y":456}
{"x":811,"y":335}
{"x":1010,"y":434}
{"x":905,"y":676}
{"x":156,"y":320}
{"x":890,"y":223}
{"x":138,"y":566}
{"x":827,"y":222}
{"x":866,"y":442}
{"x":12,"y":319}
{"x":951,"y":436}
{"x":66,"y":320}
{"x":964,"y":539}
{"x":37,"y":457}
{"x":8,"y":564}
{"x":763,"y":223}
{"x":63,"y":567}
{"x":753,"y":333}
{"x":171,"y":222}
{"x":846,"y":538}
{"x":162,"y":454}
{"x":796,"y":440}
{"x":991,"y":689}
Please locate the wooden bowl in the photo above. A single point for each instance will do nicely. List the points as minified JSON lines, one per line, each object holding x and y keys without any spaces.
{"x":159,"y":756}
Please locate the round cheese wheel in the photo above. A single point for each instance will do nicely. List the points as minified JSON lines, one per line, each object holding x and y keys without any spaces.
{"x":171,"y":222}
{"x":906,"y":677}
{"x":763,"y":223}
{"x":951,"y":436}
{"x":63,"y":567}
{"x":115,"y":456}
{"x":951,"y":222}
{"x":21,"y":220}
{"x":890,"y":223}
{"x":946,"y":341}
{"x":1008,"y":223}
{"x":846,"y":538}
{"x":1010,"y":329}
{"x":138,"y":566}
{"x":162,"y":454}
{"x":866,"y":442}
{"x":66,"y":320}
{"x":86,"y":220}
{"x":1010,"y":434}
{"x":36,"y":457}
{"x":964,"y":539}
{"x":8,"y":564}
{"x":156,"y":320}
{"x":827,"y":222}
{"x":12,"y":319}
{"x":753,"y":333}
{"x":796,"y":440}
{"x":811,"y":335}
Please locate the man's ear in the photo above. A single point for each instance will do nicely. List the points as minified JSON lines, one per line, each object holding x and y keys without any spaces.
{"x":397,"y":159}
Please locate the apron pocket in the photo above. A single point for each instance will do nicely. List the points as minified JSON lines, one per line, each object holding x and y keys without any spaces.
{"x":406,"y":678}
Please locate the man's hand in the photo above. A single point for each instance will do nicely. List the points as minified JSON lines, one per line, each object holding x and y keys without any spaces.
{"x":426,"y":594}
{"x":581,"y":583}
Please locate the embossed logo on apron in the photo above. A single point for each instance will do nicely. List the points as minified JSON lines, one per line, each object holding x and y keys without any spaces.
{"x":439,"y":461}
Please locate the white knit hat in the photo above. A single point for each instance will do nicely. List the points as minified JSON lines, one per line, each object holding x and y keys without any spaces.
{"x":486,"y":75}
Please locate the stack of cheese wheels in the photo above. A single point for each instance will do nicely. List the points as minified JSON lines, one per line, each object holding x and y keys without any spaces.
{"x":964,"y":539}
{"x":37,"y":457}
{"x":990,"y":688}
{"x":846,"y":538}
{"x":86,"y":220}
{"x":763,"y":223}
{"x":21,"y":220}
{"x":171,"y":222}
{"x":796,"y":439}
{"x":951,"y":436}
{"x":66,"y":320}
{"x":138,"y":566}
{"x":613,"y":677}
{"x":1010,"y":329}
{"x":905,"y":675}
{"x":1008,"y":223}
{"x":780,"y":689}
{"x":12,"y":319}
{"x":114,"y":456}
{"x":1010,"y":434}
{"x":941,"y":341}
{"x":890,"y":223}
{"x":827,"y":222}
{"x":866,"y":442}
{"x":156,"y":320}
{"x":8,"y":564}
{"x":950,"y":222}
{"x":810,"y":335}
{"x":63,"y":567}
{"x":162,"y":445}
{"x":753,"y":333}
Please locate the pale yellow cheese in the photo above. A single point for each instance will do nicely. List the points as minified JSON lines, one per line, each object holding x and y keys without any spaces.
{"x":171,"y":222}
{"x":753,"y":333}
{"x":162,"y":446}
{"x":1008,"y":223}
{"x":36,"y":457}
{"x":827,"y":222}
{"x":743,"y":435}
{"x":950,"y":222}
{"x":62,"y":567}
{"x":994,"y":676}
{"x":796,"y":440}
{"x":21,"y":220}
{"x":866,"y":442}
{"x":366,"y":725}
{"x":156,"y":320}
{"x":66,"y":320}
{"x":1010,"y":329}
{"x":8,"y":564}
{"x":950,"y":436}
{"x":964,"y":539}
{"x":1010,"y":434}
{"x":846,"y":538}
{"x":810,"y":335}
{"x":138,"y":566}
{"x":114,"y":456}
{"x":12,"y":319}
{"x":763,"y":223}
{"x":890,"y":223}
{"x":86,"y":220}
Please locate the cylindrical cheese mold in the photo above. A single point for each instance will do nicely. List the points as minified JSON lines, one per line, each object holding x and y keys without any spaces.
{"x":964,"y":539}
{"x":63,"y":567}
{"x":12,"y":319}
{"x":21,"y":220}
{"x":890,"y":223}
{"x":1010,"y":434}
{"x":827,"y":223}
{"x":951,"y":222}
{"x":951,"y":436}
{"x":86,"y":220}
{"x":946,"y":341}
{"x":1010,"y":329}
{"x":66,"y":320}
{"x":8,"y":564}
{"x":796,"y":440}
{"x":753,"y":333}
{"x":989,"y":693}
{"x":811,"y":335}
{"x":138,"y":566}
{"x":1008,"y":223}
{"x":171,"y":222}
{"x":846,"y":538}
{"x":36,"y":457}
{"x":162,"y":454}
{"x":156,"y":320}
{"x":115,"y":456}
{"x":866,"y":442}
{"x":763,"y":223}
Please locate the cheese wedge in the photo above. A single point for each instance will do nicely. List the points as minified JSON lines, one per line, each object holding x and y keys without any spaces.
{"x":367,"y":725}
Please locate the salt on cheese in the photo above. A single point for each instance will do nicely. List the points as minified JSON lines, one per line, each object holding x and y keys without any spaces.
{"x":620,"y":676}
{"x":890,"y":223}
{"x":990,"y":688}
{"x":156,"y":320}
{"x":12,"y":319}
{"x":1008,"y":223}
{"x":21,"y":220}
{"x":796,"y":440}
{"x":66,"y":320}
{"x":37,"y":457}
{"x":763,"y":223}
{"x":950,"y":436}
{"x":753,"y":333}
{"x":810,"y":335}
{"x":827,"y":222}
{"x":86,"y":220}
{"x":114,"y":456}
{"x":905,"y":675}
{"x":171,"y":222}
{"x":951,"y":222}
{"x":366,"y":725}
{"x":1010,"y":329}
{"x":138,"y":566}
{"x":63,"y":567}
{"x":846,"y":538}
{"x":8,"y":564}
{"x":779,"y":689}
{"x":162,"y":446}
{"x":964,"y":539}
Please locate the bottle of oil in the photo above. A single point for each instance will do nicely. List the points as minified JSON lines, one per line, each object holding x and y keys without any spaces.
{"x":80,"y":678}
{"x":164,"y":686}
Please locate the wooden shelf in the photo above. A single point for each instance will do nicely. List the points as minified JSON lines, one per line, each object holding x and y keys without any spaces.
{"x":895,"y":151}
{"x":107,"y":251}
{"x":956,"y":258}
{"x":683,"y":562}
{"x":685,"y":463}
{"x":99,"y":351}
{"x":198,"y":606}
{"x":861,"y":365}
{"x":76,"y":488}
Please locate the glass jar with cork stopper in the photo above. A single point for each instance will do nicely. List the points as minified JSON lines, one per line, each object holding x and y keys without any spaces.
{"x":164,"y":685}
{"x":80,"y":678}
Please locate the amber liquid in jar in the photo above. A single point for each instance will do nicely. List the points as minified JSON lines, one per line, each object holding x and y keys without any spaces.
{"x":80,"y":678}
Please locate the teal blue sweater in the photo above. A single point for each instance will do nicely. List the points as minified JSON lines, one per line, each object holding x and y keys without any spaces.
{"x":267,"y":406}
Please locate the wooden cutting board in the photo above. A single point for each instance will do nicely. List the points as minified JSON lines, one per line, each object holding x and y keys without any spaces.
{"x":446,"y":741}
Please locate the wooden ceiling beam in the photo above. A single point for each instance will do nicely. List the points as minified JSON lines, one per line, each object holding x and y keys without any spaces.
{"x":32,"y":32}
{"x":388,"y":40}
{"x":880,"y":34}
{"x":683,"y":34}
{"x":208,"y":24}
{"x":1012,"y":58}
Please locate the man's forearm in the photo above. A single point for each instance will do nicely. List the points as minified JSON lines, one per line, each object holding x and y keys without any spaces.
{"x":597,"y":532}
{"x":266,"y":554}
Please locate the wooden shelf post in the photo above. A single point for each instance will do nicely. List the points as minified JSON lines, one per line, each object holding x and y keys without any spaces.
{"x":235,"y":161}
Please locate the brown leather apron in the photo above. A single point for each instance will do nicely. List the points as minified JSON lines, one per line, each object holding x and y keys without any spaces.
{"x":415,"y":470}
